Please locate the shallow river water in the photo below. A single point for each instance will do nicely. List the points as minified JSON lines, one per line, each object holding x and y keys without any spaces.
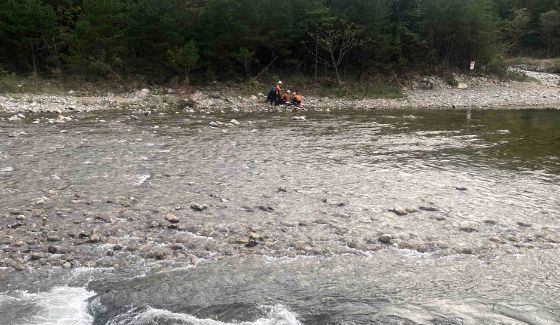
{"x":381,"y":217}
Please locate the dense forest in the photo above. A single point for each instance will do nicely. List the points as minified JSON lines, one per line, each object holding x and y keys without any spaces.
{"x":202,"y":40}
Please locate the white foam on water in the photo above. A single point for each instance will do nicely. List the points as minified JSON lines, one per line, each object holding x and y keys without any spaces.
{"x":141,"y":179}
{"x":59,"y":306}
{"x":276,"y":315}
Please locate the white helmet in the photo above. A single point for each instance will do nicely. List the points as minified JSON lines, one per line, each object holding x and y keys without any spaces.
{"x":289,"y":91}
{"x":280,"y":82}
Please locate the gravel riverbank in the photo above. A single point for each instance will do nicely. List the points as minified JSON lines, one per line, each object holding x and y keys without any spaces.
{"x":427,"y":93}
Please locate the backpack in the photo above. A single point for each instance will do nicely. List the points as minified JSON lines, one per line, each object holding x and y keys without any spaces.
{"x":271,"y":94}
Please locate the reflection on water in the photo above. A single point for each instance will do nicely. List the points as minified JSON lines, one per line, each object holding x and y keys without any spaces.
{"x":389,"y":217}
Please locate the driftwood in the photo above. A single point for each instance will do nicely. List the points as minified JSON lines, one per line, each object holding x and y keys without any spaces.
{"x":266,"y":68}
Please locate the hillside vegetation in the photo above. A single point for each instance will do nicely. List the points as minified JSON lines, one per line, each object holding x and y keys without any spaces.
{"x":184,"y":41}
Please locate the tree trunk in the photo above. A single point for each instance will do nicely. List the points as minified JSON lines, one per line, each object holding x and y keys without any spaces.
{"x":58,"y":64}
{"x":335,"y":66}
{"x":33,"y":57}
{"x":187,"y":80}
{"x":316,"y":60}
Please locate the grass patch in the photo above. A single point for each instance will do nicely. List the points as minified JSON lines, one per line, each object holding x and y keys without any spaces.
{"x":362,"y":90}
{"x":450,"y":79}
{"x":547,"y":65}
{"x":515,"y":75}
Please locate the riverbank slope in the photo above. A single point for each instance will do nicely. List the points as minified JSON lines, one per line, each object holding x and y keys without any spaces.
{"x":542,"y":91}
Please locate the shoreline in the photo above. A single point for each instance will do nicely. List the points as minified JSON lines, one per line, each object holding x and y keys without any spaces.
{"x":481,"y":93}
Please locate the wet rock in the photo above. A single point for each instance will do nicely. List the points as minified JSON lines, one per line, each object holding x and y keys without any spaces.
{"x":524,"y":225}
{"x":282,"y":189}
{"x":172,"y":218}
{"x":94,"y":237}
{"x":36,"y":256}
{"x":17,"y":133}
{"x":154,"y":224}
{"x":468,"y":229}
{"x":496,"y":240}
{"x":428,"y":209}
{"x":235,"y":122}
{"x":18,"y":266}
{"x":15,"y":225}
{"x":53,"y":238}
{"x":386,"y":239}
{"x":214,"y":124}
{"x":491,"y":222}
{"x":176,"y":247}
{"x":513,"y":239}
{"x":67,"y":265}
{"x":110,"y":253}
{"x":117,"y":247}
{"x":400,"y":211}
{"x":265,"y":208}
{"x":255,"y":236}
{"x":158,"y":254}
{"x":104,"y":219}
{"x":251,"y":244}
{"x":462,"y":86}
{"x":52,"y":249}
{"x":198,"y":207}
{"x":461,"y":188}
{"x":299,"y":118}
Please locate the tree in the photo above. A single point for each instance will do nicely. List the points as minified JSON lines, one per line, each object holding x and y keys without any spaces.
{"x":337,"y":39}
{"x":517,"y":28}
{"x":25,"y":28}
{"x":186,"y":57}
{"x":460,"y":30}
{"x":245,"y":57}
{"x":550,"y":27}
{"x":98,"y":45}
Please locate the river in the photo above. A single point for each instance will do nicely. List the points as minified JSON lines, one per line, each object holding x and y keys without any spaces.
{"x":378,"y":217}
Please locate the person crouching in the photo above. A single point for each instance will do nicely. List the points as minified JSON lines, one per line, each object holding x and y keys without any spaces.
{"x":296,"y":100}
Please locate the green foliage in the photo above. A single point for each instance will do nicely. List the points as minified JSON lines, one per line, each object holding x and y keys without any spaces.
{"x":157,"y":40}
{"x":26,"y":28}
{"x":500,"y":68}
{"x":362,"y":90}
{"x":450,"y":79}
{"x":550,"y":27}
{"x":516,"y":29}
{"x":186,"y":57}
{"x":98,"y":46}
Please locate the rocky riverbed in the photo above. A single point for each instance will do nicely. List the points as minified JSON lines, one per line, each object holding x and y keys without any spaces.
{"x":381,"y":216}
{"x":429,"y":93}
{"x":113,"y":194}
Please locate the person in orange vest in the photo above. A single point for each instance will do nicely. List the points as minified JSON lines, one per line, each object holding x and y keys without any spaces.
{"x":296,"y":100}
{"x":278,"y":93}
{"x":275,"y":94}
{"x":286,"y":98}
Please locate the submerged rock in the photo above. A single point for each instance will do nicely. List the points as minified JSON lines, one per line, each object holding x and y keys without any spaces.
{"x":386,"y":239}
{"x":400,"y":211}
{"x":172,"y":218}
{"x":16,"y":133}
{"x":198,"y":207}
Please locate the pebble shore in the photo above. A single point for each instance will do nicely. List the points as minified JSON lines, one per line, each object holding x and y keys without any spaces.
{"x":480,"y":93}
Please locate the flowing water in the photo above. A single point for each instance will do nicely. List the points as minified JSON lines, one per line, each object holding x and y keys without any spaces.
{"x":382,"y":217}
